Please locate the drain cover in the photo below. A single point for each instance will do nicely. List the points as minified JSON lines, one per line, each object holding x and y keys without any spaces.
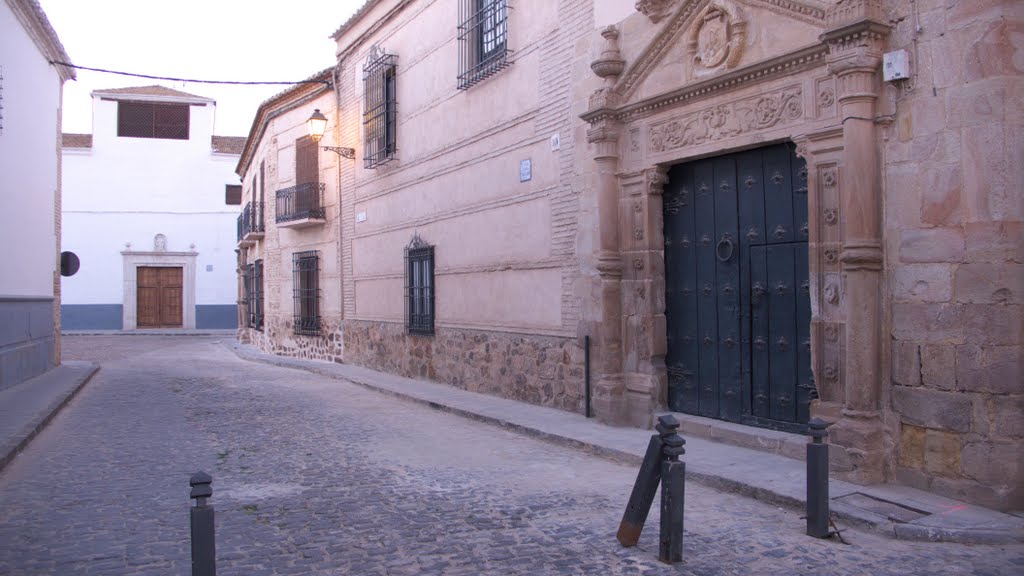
{"x":883,"y":508}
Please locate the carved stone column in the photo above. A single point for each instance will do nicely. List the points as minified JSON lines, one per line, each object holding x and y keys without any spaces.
{"x":603,"y":135}
{"x":608,"y":390}
{"x":856,"y":40}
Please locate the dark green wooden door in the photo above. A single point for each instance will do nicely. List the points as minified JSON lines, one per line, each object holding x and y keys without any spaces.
{"x":737,"y":295}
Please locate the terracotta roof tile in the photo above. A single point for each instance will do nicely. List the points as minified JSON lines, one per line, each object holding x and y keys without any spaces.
{"x":228,"y":144}
{"x":76,"y":140}
{"x":148,"y":91}
{"x":354,"y":18}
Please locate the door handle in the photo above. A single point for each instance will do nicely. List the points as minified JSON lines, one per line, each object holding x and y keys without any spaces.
{"x":725,"y":242}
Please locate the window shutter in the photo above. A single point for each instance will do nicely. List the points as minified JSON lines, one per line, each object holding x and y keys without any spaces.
{"x":233,"y":194}
{"x":307,"y":167}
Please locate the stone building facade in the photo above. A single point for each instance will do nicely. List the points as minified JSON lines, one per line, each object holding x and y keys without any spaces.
{"x":748,"y":216}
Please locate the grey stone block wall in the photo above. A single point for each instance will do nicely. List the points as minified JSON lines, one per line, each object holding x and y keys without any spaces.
{"x":26,"y":339}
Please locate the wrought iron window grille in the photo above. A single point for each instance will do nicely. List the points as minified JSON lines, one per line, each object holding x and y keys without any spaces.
{"x":247,"y":278}
{"x":483,"y":40}
{"x":306,"y":292}
{"x":152,"y":120}
{"x":300,"y":202}
{"x":380,"y":108}
{"x":419,"y":287}
{"x":256,"y":303}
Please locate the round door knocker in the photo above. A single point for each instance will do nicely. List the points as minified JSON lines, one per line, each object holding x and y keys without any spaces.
{"x":725,"y":242}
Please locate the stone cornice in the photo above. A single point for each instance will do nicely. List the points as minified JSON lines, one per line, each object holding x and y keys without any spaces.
{"x":810,"y":57}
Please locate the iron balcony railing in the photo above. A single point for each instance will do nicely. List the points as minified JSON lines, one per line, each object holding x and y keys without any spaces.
{"x":250,"y":220}
{"x":300,"y":202}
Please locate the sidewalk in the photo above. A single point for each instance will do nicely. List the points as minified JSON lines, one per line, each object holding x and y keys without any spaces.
{"x":766,"y":474}
{"x":26,"y":408}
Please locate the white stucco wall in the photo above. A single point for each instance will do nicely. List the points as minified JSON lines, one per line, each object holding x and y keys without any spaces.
{"x":127,"y":190}
{"x":28,"y":163}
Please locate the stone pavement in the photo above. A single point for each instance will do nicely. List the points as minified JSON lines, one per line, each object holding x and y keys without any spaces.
{"x":27,"y":407}
{"x":315,"y":475}
{"x":767,"y":473}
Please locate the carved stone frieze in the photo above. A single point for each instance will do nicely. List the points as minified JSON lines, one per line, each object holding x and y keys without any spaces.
{"x":829,"y":178}
{"x":831,"y":216}
{"x":656,"y":179}
{"x":656,"y":10}
{"x":716,"y":38}
{"x":726,"y":120}
{"x":847,"y":11}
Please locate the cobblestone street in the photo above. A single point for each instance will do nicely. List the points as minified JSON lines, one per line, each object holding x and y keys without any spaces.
{"x":317,"y":476}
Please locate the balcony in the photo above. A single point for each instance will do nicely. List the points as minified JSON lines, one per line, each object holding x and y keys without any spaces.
{"x":301,"y":206}
{"x":250,"y":224}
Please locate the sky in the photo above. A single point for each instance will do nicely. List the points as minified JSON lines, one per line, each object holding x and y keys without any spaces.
{"x":249,"y":40}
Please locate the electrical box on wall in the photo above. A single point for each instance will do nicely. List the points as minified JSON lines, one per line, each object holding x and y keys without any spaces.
{"x":896,"y":66}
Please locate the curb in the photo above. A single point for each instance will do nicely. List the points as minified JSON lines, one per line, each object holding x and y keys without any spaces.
{"x":34,"y":428}
{"x":849,"y":515}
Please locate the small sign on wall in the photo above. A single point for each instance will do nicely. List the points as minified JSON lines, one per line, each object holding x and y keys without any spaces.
{"x":525,"y":170}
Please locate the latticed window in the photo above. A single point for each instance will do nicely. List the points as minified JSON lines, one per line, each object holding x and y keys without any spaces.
{"x":380,"y":108}
{"x":306,"y":291}
{"x":152,"y":120}
{"x":419,"y":287}
{"x":483,"y":39}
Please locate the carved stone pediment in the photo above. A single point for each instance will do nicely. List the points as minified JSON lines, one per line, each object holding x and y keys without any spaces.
{"x":699,"y":39}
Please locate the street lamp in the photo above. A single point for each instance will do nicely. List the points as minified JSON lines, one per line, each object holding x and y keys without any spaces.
{"x":317,"y":125}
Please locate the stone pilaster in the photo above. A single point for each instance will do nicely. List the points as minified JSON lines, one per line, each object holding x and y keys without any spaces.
{"x":643,"y":298}
{"x":607,"y":333}
{"x":856,"y":40}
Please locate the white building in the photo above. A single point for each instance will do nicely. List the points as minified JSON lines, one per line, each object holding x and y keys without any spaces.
{"x":30,"y":190}
{"x":149,"y":210}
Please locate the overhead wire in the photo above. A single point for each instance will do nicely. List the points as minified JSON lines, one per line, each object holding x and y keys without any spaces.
{"x":193,"y":80}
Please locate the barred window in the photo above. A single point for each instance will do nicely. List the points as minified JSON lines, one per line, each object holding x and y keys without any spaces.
{"x":306,"y":291}
{"x":419,"y":287}
{"x":152,"y":120}
{"x":256,"y":301}
{"x":247,"y":277}
{"x":380,"y":108}
{"x":483,"y":39}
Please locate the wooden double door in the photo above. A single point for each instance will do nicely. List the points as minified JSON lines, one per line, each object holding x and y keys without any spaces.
{"x":737,"y":294}
{"x":159,"y":297}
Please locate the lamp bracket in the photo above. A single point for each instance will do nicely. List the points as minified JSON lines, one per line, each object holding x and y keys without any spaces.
{"x":349,"y":153}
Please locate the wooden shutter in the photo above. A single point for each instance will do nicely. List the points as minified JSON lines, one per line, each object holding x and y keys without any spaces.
{"x":307,"y":167}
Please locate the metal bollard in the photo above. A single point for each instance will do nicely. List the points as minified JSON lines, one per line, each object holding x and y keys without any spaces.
{"x":662,"y":458}
{"x":673,"y":491}
{"x":817,"y":480}
{"x":204,"y":559}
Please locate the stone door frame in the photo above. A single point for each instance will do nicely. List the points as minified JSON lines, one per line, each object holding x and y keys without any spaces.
{"x":184,"y":260}
{"x":823,"y":99}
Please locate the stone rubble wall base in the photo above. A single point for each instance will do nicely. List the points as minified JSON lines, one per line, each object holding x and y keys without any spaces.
{"x":542,"y":370}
